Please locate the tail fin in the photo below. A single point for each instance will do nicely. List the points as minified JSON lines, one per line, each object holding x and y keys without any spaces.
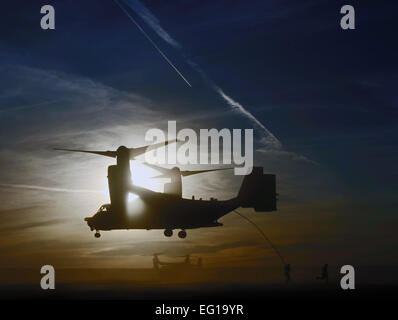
{"x":258,"y":191}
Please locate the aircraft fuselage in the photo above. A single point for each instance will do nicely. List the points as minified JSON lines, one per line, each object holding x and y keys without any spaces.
{"x":167,"y":212}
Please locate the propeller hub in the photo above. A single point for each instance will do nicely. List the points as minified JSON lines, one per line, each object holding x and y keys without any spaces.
{"x":122,"y":149}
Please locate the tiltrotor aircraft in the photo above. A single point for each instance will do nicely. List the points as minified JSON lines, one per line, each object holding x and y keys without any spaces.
{"x":170,"y":211}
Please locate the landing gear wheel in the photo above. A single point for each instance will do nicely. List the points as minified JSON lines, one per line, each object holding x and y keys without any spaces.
{"x":182,"y":234}
{"x":97,"y":234}
{"x":168,"y":232}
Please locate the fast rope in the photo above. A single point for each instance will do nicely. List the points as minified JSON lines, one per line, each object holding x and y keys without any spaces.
{"x":263,"y":234}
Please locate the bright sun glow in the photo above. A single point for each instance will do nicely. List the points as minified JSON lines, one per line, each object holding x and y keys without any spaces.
{"x":141,"y":175}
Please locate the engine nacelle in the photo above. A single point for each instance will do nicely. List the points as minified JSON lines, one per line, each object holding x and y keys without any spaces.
{"x":118,"y":182}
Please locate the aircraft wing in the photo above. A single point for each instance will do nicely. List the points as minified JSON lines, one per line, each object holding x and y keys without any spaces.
{"x":111,"y":154}
{"x":144,"y":193}
{"x":134,"y":152}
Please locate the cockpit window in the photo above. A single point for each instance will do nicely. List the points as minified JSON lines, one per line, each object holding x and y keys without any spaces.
{"x":104,"y":208}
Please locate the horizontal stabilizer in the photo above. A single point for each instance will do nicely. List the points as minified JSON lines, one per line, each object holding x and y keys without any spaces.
{"x":258,"y":191}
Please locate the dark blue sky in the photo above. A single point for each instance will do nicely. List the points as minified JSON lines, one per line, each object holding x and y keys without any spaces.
{"x":326,"y":94}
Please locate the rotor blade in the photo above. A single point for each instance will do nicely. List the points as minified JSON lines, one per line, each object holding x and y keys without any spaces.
{"x":187,"y":173}
{"x":111,"y":154}
{"x":165,"y":172}
{"x":134,"y":152}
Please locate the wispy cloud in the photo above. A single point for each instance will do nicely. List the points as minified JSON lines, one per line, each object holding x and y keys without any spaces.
{"x":40,"y":188}
{"x":270,"y":138}
{"x":24,"y":226}
{"x":91,"y":115}
{"x":29,"y":106}
{"x":150,"y":19}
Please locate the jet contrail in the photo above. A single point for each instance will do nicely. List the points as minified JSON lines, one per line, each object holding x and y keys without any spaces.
{"x":154,"y":24}
{"x":153,"y":43}
{"x":236,"y":105}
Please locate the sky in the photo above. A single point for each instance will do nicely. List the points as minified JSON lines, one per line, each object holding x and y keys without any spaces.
{"x":321,"y":100}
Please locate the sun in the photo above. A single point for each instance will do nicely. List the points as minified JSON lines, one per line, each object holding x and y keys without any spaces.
{"x":142,"y":176}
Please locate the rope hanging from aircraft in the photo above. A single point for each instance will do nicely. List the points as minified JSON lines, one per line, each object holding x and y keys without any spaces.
{"x":263,"y":234}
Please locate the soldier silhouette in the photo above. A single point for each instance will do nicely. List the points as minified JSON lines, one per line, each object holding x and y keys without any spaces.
{"x":287,"y":273}
{"x":324,"y":275}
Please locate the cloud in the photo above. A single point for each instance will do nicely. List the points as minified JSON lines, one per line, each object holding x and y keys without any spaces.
{"x":152,"y":21}
{"x":24,"y":186}
{"x":69,"y":95}
{"x":60,"y":107}
{"x":29,"y":106}
{"x":87,"y":114}
{"x":19,"y":215}
{"x":22,"y":227}
{"x":269,"y":139}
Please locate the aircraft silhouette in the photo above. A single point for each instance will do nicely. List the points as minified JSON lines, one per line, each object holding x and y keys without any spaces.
{"x":157,"y":264}
{"x":175,"y":175}
{"x":155,"y":210}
